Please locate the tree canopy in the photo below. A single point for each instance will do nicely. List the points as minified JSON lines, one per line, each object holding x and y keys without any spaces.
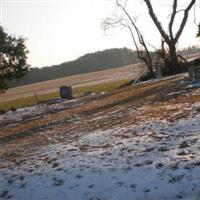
{"x":13,"y":56}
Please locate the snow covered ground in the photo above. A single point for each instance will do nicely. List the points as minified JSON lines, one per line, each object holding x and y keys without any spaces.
{"x":157,"y":157}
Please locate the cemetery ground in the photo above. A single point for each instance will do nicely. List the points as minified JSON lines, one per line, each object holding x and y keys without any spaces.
{"x":137,"y":142}
{"x":77,"y":92}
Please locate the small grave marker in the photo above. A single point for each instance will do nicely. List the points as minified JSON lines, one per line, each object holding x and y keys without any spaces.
{"x":66,"y":92}
{"x":194,"y":72}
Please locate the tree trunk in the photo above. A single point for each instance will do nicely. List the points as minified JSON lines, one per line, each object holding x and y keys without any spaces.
{"x":173,"y":59}
{"x":171,"y":39}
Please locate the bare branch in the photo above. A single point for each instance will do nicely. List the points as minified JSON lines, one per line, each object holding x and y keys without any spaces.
{"x":156,"y":22}
{"x":172,"y":19}
{"x":151,"y":45}
{"x":125,"y":3}
{"x":195,"y":21}
{"x":182,"y":58}
{"x":129,"y":23}
{"x":185,"y":17}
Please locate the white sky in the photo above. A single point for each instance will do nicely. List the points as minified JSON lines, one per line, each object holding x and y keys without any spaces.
{"x":62,"y":30}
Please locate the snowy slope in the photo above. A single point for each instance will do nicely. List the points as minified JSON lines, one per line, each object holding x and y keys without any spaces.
{"x":155,"y":158}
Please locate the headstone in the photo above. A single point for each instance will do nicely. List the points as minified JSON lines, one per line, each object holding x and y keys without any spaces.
{"x":191,"y":73}
{"x":66,"y":92}
{"x":158,"y":71}
{"x":197,"y":72}
{"x":194,"y":72}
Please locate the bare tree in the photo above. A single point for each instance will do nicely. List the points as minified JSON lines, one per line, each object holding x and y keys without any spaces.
{"x":129,"y":22}
{"x":171,"y":38}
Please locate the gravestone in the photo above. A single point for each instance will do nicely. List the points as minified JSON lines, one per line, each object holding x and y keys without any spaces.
{"x":158,"y":71}
{"x":194,"y":73}
{"x":197,"y":72}
{"x":66,"y":92}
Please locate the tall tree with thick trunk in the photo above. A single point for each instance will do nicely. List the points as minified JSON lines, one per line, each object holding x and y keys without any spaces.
{"x":171,"y":38}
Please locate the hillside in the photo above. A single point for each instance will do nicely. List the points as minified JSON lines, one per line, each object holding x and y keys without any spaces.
{"x":92,"y":62}
{"x":141,"y":141}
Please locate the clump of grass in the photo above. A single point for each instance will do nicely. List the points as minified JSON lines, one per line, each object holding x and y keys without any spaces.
{"x":77,"y":91}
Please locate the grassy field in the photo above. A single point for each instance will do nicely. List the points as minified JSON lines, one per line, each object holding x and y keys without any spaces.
{"x":78,"y":91}
{"x":76,"y":81}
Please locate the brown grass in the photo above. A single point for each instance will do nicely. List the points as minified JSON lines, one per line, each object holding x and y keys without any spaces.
{"x":75,"y":81}
{"x":24,"y":134}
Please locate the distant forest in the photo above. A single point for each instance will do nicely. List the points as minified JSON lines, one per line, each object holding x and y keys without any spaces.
{"x":91,"y":62}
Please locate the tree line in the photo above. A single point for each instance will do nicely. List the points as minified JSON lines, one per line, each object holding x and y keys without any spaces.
{"x":91,"y":62}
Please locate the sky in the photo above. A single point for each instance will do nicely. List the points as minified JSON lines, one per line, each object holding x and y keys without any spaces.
{"x":62,"y":30}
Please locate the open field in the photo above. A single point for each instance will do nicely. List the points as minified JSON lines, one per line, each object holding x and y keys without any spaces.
{"x":78,"y":81}
{"x":77,"y":91}
{"x":75,"y":81}
{"x":142,"y":142}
